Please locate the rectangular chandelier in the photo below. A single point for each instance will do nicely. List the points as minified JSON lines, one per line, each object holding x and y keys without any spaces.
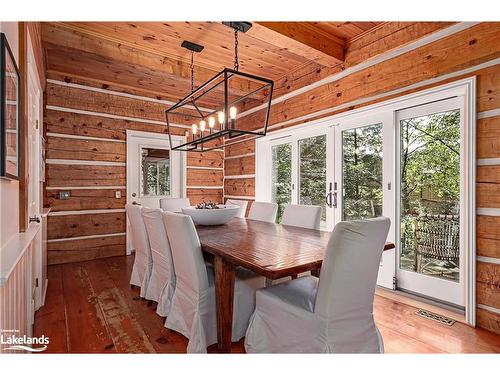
{"x":230,"y":107}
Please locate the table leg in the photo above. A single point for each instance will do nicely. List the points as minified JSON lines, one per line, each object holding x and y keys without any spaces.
{"x":224,"y":294}
{"x":315,"y":272}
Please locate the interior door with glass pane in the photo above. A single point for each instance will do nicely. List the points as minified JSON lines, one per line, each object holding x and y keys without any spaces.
{"x":362,"y":185}
{"x":430,"y":161}
{"x":153,"y":170}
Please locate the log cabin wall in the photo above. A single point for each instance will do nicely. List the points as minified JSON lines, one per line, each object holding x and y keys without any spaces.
{"x":469,"y":50}
{"x":86,"y":154}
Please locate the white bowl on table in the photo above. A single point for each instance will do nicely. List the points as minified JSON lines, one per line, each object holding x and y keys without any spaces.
{"x":217,"y":216}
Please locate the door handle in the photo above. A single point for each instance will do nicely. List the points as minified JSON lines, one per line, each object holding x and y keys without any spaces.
{"x":136,"y":204}
{"x":328,"y":199}
{"x":334,"y":203}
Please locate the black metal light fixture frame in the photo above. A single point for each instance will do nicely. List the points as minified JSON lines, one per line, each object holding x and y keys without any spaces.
{"x":198,"y":142}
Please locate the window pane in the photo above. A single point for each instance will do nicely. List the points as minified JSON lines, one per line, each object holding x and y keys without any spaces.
{"x":155,"y":168}
{"x":362,"y":172}
{"x":281,"y":176}
{"x":312,"y":172}
{"x":430,"y":194}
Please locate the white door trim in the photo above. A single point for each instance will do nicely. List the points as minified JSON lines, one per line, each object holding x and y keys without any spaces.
{"x":153,"y":139}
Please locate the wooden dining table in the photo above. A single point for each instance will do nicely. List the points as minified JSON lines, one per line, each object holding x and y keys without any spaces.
{"x":268,"y":249}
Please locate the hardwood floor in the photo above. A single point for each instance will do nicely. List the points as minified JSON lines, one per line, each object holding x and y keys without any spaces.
{"x":90,"y":308}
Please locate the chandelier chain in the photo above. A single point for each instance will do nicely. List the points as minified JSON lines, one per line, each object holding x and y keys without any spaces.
{"x":192,"y":71}
{"x":236,"y":62}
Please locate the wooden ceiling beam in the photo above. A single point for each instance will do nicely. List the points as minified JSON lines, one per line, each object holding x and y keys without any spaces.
{"x":302,"y":39}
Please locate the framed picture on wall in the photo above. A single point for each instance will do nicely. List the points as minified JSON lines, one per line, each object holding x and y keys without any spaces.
{"x":9,"y":111}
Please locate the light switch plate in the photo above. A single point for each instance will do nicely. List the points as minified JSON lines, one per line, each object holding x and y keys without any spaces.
{"x":64,"y":195}
{"x":118,"y":194}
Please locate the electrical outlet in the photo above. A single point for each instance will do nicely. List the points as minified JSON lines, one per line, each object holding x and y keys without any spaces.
{"x":63,"y":195}
{"x":118,"y":194}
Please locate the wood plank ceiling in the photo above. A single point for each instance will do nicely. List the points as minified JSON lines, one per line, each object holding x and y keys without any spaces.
{"x":147,"y":57}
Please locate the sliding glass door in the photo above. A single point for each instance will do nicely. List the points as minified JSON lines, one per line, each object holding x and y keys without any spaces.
{"x":430,"y":252}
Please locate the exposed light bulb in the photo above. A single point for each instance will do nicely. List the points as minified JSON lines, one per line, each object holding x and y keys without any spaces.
{"x":211,"y":122}
{"x":221,"y":116}
{"x":232,"y":113}
{"x":202,"y":125}
{"x":194,"y":128}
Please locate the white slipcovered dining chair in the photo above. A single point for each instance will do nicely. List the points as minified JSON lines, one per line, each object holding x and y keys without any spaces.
{"x":193,"y":311}
{"x":263,"y":211}
{"x":162,"y":282}
{"x":174,"y":204}
{"x":242,"y":204}
{"x":332,"y":314}
{"x":143,"y":262}
{"x":305,"y":216}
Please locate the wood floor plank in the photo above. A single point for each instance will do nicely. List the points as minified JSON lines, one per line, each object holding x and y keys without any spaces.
{"x":455,"y":339}
{"x":395,"y":342}
{"x":126,"y":333}
{"x":87,"y":331}
{"x":162,"y":339}
{"x":51,"y":319}
{"x":91,"y":308}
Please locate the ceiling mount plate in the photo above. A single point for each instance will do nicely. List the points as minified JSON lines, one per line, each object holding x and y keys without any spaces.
{"x":239,"y":25}
{"x":192,"y":46}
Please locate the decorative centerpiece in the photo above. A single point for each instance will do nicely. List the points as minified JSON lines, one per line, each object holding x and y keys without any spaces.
{"x":207,"y":206}
{"x":210,"y":213}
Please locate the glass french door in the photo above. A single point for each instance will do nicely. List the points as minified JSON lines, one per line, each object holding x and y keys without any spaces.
{"x":410,"y":160}
{"x":298,"y":171}
{"x":281,"y":176}
{"x":430,"y":182}
{"x":362,"y":184}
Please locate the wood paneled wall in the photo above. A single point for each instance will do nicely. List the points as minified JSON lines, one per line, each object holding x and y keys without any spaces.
{"x":442,"y":60}
{"x":86,"y":128}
